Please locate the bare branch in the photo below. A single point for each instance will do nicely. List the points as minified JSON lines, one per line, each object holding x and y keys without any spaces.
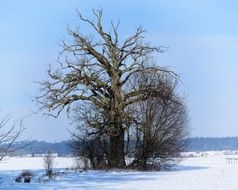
{"x":9,"y":135}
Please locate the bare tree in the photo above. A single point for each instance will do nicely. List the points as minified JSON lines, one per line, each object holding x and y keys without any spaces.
{"x":160,"y":126}
{"x":49,"y":162}
{"x":10,"y":132}
{"x":96,"y":69}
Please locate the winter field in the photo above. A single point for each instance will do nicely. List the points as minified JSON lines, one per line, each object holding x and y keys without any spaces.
{"x":206,"y":171}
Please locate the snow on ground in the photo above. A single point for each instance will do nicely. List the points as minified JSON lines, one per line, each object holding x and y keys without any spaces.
{"x":32,"y":163}
{"x":197,"y":173}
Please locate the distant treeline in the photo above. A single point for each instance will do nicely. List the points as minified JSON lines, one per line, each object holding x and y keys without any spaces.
{"x":40,"y":147}
{"x":212,"y":144}
{"x":193,"y":144}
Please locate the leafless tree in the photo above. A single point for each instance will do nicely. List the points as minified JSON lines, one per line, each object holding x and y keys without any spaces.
{"x":160,"y":126}
{"x":96,"y":69}
{"x":49,"y":162}
{"x":10,"y":132}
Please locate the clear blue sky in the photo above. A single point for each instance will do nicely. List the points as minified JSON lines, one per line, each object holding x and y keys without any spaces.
{"x":202,"y":36}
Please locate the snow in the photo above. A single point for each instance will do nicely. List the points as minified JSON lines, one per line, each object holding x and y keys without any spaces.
{"x":32,"y":163}
{"x":206,"y":172}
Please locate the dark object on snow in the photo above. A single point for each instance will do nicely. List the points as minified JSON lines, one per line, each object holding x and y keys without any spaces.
{"x":25,"y":176}
{"x":27,"y":179}
{"x":18,"y":179}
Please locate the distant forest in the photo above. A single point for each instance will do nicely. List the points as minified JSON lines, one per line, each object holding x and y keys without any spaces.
{"x":193,"y":144}
{"x":212,"y":144}
{"x":40,"y":147}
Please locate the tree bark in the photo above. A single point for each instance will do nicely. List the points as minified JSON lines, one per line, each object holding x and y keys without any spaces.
{"x":117,"y":153}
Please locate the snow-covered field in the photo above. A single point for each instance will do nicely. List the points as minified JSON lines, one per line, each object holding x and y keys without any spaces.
{"x":198,"y":173}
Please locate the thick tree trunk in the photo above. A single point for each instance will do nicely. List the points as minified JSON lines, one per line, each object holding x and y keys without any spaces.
{"x":117,"y":154}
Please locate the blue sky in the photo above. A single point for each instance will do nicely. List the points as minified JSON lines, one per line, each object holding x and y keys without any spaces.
{"x":202,"y":36}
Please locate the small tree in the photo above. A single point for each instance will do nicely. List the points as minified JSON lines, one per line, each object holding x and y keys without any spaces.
{"x":49,"y":162}
{"x":10,"y":133}
{"x":160,"y":125}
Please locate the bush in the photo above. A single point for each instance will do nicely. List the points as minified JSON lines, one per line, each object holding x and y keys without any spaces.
{"x":92,"y":150}
{"x":49,"y":164}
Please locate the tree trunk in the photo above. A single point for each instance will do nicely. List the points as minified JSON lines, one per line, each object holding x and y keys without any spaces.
{"x":117,"y":154}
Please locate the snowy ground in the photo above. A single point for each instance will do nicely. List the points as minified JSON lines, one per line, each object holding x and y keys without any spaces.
{"x":198,"y":173}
